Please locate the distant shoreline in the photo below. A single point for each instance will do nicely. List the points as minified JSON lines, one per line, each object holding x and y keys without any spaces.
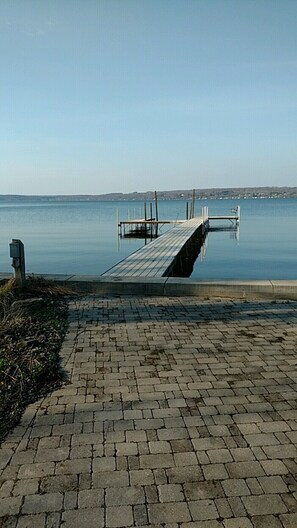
{"x":201,"y":194}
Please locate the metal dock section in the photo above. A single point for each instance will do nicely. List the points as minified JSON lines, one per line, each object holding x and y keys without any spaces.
{"x":233,"y":218}
{"x":158,"y":257}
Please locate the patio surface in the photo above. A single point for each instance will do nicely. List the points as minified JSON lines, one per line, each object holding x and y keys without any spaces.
{"x":180,"y":413}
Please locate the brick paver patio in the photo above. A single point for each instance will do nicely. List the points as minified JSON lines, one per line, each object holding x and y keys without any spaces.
{"x":180,"y":412}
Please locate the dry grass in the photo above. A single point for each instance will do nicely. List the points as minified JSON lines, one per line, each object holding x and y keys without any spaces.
{"x":29,"y":347}
{"x":7,"y":296}
{"x":39,"y":285}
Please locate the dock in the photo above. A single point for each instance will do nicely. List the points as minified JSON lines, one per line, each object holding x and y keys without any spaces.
{"x":234,"y":218}
{"x":158,"y":258}
{"x":171,"y":254}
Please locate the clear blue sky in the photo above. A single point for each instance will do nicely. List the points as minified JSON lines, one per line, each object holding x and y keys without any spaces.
{"x":129,"y":95}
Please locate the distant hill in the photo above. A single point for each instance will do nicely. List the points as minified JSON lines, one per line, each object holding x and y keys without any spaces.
{"x":201,"y":194}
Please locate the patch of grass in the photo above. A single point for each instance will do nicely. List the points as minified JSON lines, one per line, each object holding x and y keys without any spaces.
{"x":30,"y":343}
{"x":39,"y":285}
{"x":7,"y":290}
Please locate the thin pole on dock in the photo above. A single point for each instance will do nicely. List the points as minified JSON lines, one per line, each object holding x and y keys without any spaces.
{"x":193,"y":205}
{"x":156,"y":206}
{"x":118,"y":220}
{"x":119,"y":228}
{"x":187,"y":211}
{"x":151,"y":218}
{"x":157,"y":214}
{"x":145,"y":217}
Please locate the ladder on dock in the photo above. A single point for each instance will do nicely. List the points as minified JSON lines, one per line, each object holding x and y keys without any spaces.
{"x":158,"y":257}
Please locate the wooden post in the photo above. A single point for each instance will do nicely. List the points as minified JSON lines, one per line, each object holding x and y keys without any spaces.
{"x":187,"y":211}
{"x":151,"y":218}
{"x":157,"y":214}
{"x":193,"y":204}
{"x":156,"y":206}
{"x":145,"y":218}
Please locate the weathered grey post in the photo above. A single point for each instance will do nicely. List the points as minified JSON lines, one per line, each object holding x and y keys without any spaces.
{"x":193,"y":204}
{"x":157,"y":213}
{"x":145,"y":219}
{"x":151,"y":211}
{"x":17,"y":254}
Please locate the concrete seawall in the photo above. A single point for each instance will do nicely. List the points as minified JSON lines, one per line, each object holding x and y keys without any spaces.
{"x":175,"y":286}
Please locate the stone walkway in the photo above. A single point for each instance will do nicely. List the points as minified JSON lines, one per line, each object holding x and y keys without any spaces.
{"x":179,"y":413}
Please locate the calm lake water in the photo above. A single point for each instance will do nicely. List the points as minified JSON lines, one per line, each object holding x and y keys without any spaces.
{"x":81,"y":237}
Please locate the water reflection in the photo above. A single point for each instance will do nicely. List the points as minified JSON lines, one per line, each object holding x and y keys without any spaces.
{"x":234,"y":234}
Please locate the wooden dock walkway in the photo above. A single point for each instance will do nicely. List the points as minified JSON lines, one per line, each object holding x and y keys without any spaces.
{"x":157,"y":258}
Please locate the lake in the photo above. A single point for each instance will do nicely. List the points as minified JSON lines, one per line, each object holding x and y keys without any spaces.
{"x":82,"y":237}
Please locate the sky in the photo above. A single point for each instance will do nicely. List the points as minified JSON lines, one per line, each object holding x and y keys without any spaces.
{"x":100,"y":96}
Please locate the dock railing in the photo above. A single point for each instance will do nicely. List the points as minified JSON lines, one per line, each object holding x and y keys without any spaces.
{"x":148,"y":227}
